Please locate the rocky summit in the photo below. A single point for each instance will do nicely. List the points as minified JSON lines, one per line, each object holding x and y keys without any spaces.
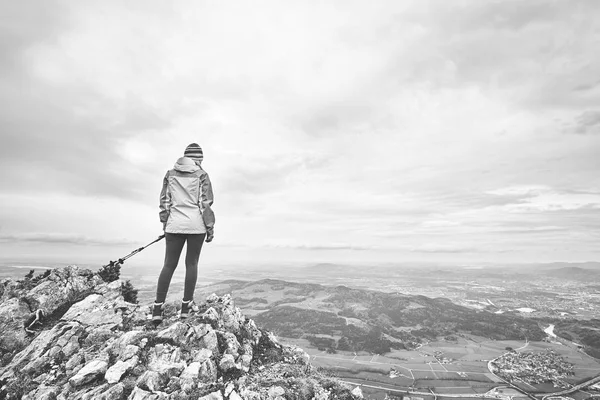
{"x":84,"y":341}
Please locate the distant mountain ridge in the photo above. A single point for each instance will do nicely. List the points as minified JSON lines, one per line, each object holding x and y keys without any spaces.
{"x":573,"y":273}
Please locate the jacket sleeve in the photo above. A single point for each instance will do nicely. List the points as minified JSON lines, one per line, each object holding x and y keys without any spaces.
{"x":206,"y":201}
{"x":165,"y":200}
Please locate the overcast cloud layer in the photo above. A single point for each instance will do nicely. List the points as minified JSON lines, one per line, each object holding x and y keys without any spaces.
{"x":457,"y":131}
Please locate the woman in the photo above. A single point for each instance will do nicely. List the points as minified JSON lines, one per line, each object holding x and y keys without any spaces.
{"x":185,"y":212}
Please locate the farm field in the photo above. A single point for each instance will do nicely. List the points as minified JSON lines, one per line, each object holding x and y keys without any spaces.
{"x":460,"y":366}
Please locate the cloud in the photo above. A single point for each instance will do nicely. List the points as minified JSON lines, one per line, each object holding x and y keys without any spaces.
{"x":53,"y":238}
{"x":588,"y":123}
{"x":322,"y":247}
{"x":444,"y":248}
{"x":433,"y":122}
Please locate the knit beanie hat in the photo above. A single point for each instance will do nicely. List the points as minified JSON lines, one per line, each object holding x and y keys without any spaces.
{"x":194,"y":151}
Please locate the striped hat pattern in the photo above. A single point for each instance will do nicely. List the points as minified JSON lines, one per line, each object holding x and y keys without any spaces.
{"x":194,"y":151}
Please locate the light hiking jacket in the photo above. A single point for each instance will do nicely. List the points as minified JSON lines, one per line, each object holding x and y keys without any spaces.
{"x":185,"y":199}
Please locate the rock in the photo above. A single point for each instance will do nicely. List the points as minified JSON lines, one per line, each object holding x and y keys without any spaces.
{"x":36,"y":356}
{"x":231,"y":343}
{"x":321,"y":394}
{"x":208,"y":371}
{"x":213,"y":298}
{"x":250,"y":330}
{"x":228,"y":389}
{"x":114,"y":392}
{"x":54,"y":352}
{"x":245,"y":360}
{"x":130,"y":351}
{"x":297,"y":355}
{"x":217,"y":395}
{"x":212,"y":316}
{"x":227,"y":362}
{"x":140,"y":394}
{"x":92,"y":394}
{"x":71,"y":347}
{"x":177,"y":333}
{"x":191,"y":371}
{"x":232,"y":319}
{"x":165,"y":359}
{"x":225,"y":299}
{"x":17,"y":301}
{"x":74,"y":361}
{"x":234,"y":396}
{"x":43,"y":393}
{"x":95,"y":310}
{"x":119,"y":346}
{"x":276,"y":391}
{"x":248,"y":394}
{"x":117,"y":370}
{"x":210,"y":342}
{"x":201,"y":355}
{"x":201,"y":330}
{"x":90,"y":371}
{"x":151,"y":381}
{"x":13,"y":314}
{"x":357,"y":392}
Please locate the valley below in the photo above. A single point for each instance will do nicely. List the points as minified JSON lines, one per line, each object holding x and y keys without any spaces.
{"x":414,"y":346}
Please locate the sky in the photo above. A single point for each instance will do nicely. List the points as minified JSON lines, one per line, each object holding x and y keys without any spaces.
{"x":333,"y":131}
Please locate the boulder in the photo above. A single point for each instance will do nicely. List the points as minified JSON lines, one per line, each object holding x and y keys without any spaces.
{"x":36,"y":356}
{"x":208,"y":371}
{"x":276,"y":392}
{"x":234,"y":396}
{"x":231,"y":343}
{"x":227,"y":363}
{"x":210,"y":342}
{"x":217,"y":395}
{"x":140,"y":394}
{"x":212,"y":316}
{"x":201,"y":355}
{"x":191,"y":371}
{"x":114,"y":392}
{"x":166,"y":360}
{"x":120,"y":368}
{"x":89,"y":372}
{"x":357,"y":392}
{"x":151,"y":381}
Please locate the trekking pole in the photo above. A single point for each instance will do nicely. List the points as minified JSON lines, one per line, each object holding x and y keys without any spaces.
{"x":117,"y":264}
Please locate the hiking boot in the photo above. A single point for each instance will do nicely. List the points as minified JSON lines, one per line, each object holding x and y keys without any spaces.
{"x":186,"y":308}
{"x":157,"y":312}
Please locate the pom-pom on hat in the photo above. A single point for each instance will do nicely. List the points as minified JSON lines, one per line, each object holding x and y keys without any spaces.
{"x":194,"y":151}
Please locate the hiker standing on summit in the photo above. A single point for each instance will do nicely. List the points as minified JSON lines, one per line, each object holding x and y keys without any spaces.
{"x":185,"y":212}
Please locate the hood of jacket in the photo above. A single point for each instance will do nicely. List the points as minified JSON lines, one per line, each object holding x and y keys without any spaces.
{"x":185,"y":164}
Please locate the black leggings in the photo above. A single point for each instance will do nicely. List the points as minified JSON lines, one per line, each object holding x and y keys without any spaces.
{"x":174,"y":245}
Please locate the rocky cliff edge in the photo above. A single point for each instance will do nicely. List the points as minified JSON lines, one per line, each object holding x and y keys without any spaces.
{"x":89,"y":343}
